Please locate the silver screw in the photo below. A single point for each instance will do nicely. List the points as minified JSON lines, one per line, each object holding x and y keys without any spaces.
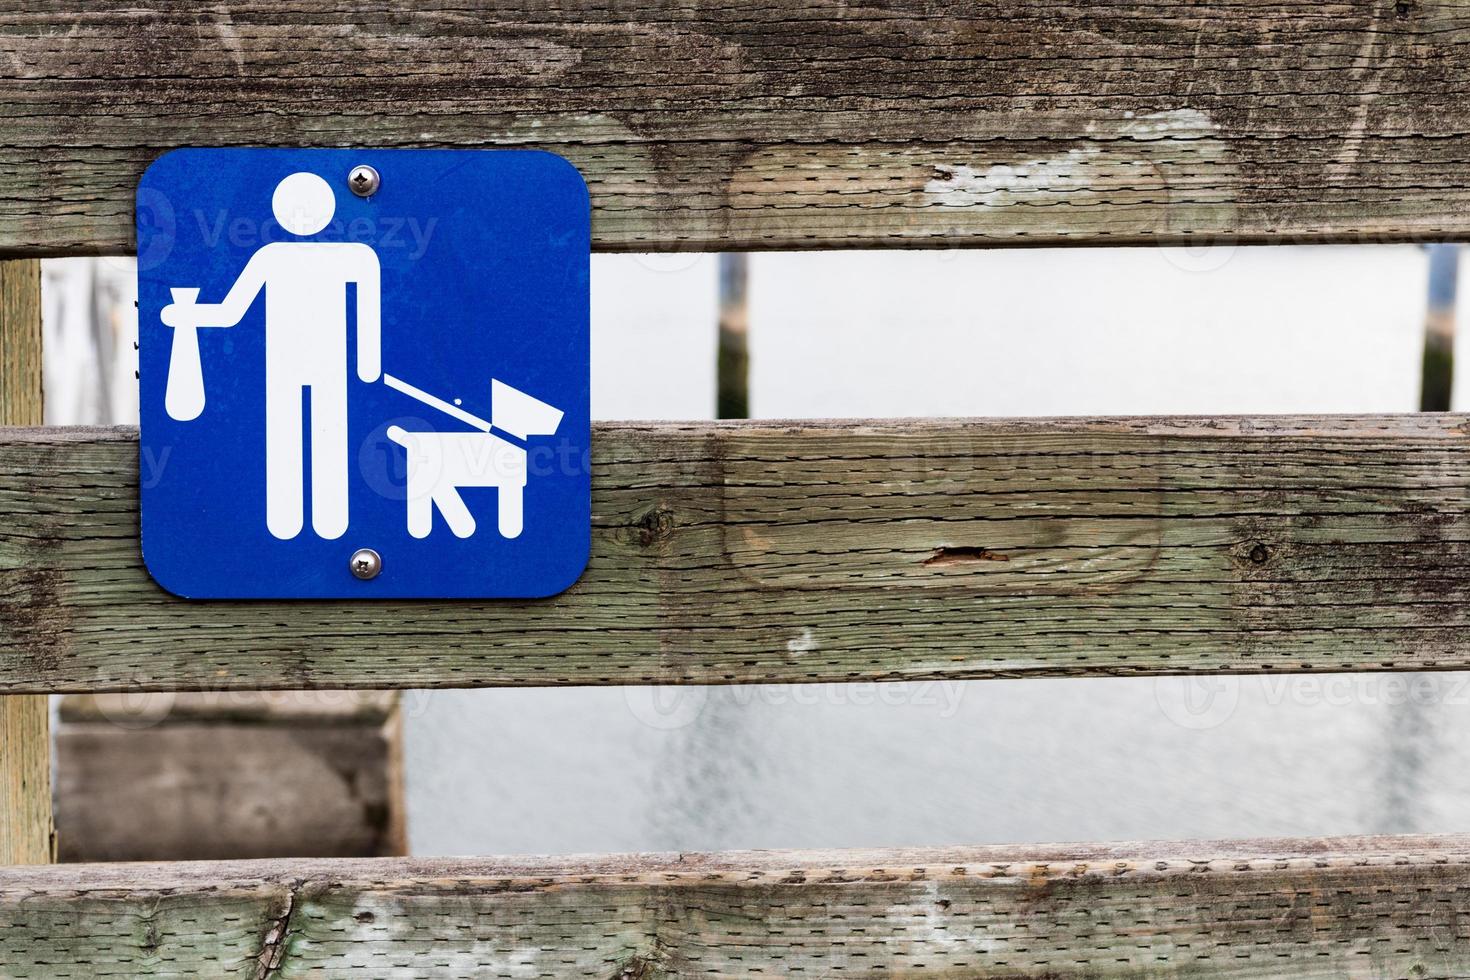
{"x":365,"y":563}
{"x":364,"y":180}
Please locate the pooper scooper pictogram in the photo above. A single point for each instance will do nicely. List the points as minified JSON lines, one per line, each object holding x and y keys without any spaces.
{"x":305,"y":313}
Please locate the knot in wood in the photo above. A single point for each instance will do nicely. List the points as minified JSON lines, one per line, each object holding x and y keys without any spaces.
{"x":656,"y":524}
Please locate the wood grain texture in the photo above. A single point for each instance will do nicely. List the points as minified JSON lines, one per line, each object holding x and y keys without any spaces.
{"x":190,"y":790}
{"x":21,"y":401}
{"x":825,"y":551}
{"x":26,"y":835}
{"x":709,"y":125}
{"x":229,"y":774}
{"x":1364,"y":907}
{"x":295,"y":709}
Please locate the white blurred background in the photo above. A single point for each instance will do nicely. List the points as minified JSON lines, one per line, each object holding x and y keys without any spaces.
{"x":978,"y":333}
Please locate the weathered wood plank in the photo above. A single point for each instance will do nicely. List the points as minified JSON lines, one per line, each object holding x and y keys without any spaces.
{"x":184,"y":789}
{"x":1349,"y":907}
{"x":25,"y":738}
{"x":229,"y":774}
{"x":297,"y":709}
{"x":706,"y":125}
{"x":750,"y":551}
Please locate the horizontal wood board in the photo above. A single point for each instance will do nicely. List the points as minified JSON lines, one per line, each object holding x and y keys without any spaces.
{"x":779,"y":125}
{"x":824,"y":551}
{"x":1365,"y":907}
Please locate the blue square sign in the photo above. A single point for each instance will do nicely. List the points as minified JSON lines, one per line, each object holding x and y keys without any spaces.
{"x":364,"y":374}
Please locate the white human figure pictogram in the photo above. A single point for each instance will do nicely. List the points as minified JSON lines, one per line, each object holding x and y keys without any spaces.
{"x":305,"y":286}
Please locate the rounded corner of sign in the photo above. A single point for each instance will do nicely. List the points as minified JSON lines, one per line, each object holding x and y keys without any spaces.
{"x":160,"y":574}
{"x":161,"y":580}
{"x":571,"y":170}
{"x":575,"y":573}
{"x":162,"y":159}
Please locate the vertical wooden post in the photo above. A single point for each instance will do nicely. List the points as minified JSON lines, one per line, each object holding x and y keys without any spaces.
{"x":25,"y":752}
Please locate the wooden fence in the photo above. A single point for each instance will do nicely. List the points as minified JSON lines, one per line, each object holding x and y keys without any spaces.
{"x":769,"y":552}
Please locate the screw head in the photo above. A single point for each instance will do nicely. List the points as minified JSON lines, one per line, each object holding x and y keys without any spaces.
{"x":365,"y":563}
{"x":363,"y":180}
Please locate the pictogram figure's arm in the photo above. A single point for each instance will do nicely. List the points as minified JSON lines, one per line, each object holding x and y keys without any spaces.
{"x":228,"y":311}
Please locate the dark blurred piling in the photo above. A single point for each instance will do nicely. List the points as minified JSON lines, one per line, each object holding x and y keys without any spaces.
{"x":1439,"y":329}
{"x":732,"y":363}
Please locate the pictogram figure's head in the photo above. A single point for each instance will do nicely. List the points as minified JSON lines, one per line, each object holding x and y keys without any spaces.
{"x":303,"y":204}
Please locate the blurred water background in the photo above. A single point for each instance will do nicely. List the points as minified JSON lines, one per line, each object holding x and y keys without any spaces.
{"x":975,"y":333}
